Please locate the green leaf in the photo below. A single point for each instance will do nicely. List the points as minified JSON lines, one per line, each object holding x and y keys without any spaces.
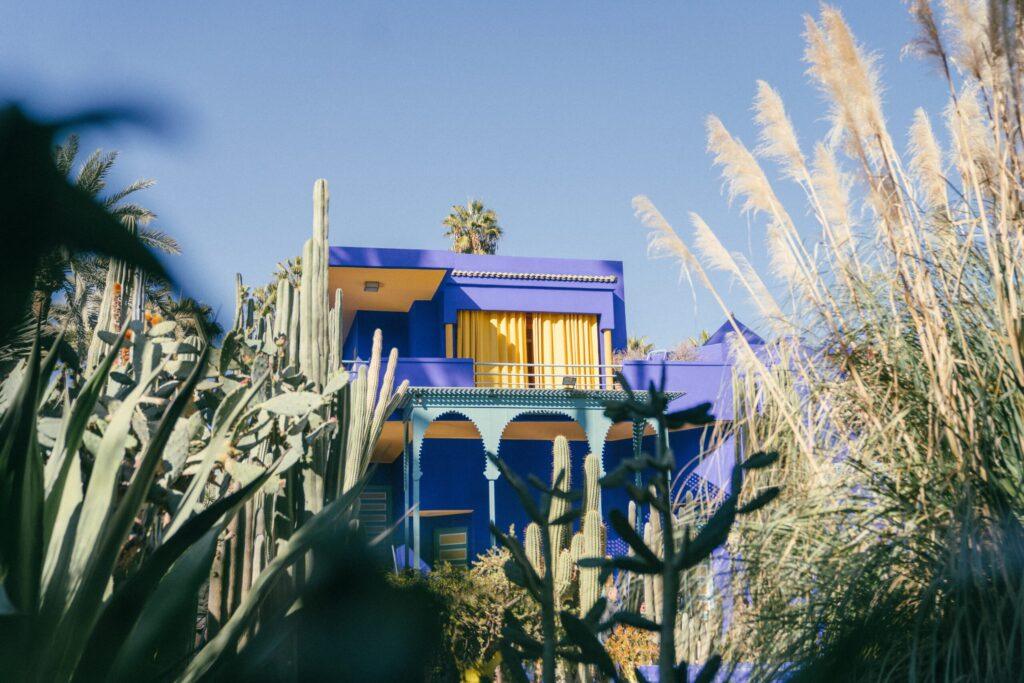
{"x":123,"y":609}
{"x":156,"y":642}
{"x":336,"y":382}
{"x":762,"y":499}
{"x":635,"y":620}
{"x":591,"y":650}
{"x":709,"y":670}
{"x":759,"y":460}
{"x":21,"y":493}
{"x":628,"y":534}
{"x":227,"y":351}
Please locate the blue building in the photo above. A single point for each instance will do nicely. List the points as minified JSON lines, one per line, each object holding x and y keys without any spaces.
{"x":503,"y":354}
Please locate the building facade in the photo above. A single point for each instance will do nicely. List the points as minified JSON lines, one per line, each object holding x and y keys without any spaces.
{"x":503,"y":354}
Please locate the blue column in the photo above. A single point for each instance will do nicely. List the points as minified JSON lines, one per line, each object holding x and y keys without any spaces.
{"x":420,"y":421}
{"x":405,"y":482}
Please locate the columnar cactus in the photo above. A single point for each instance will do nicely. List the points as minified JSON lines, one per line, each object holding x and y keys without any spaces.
{"x":594,"y":534}
{"x":568,"y":548}
{"x":313,"y":361}
{"x":335,"y":330}
{"x":533,"y":549}
{"x":561,"y":475}
{"x":653,"y":584}
{"x":590,"y":586}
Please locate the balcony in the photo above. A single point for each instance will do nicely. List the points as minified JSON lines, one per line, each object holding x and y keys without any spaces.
{"x":465,"y":372}
{"x":544,"y":376}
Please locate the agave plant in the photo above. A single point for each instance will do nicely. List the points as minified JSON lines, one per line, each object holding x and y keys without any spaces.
{"x":125,"y":482}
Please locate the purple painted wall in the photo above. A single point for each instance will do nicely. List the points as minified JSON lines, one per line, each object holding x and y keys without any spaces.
{"x":700,"y":382}
{"x":424,"y":331}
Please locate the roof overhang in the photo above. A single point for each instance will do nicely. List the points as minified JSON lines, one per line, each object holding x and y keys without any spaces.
{"x":396,"y":289}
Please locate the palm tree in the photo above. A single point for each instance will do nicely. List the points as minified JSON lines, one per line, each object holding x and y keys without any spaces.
{"x":193,"y":318}
{"x":473,"y":228}
{"x":80,"y":276}
{"x":637,"y":348}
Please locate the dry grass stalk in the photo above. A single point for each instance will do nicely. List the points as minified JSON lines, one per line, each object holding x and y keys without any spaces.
{"x":893,"y":391}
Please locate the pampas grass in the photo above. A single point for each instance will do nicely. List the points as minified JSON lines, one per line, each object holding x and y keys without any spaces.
{"x":893,"y":388}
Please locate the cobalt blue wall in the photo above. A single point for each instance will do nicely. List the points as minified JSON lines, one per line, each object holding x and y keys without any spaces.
{"x":394,"y":327}
{"x":453,"y":479}
{"x":426,"y":336}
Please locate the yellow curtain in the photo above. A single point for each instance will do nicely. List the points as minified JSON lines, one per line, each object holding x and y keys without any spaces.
{"x":497,"y":341}
{"x":566,"y":344}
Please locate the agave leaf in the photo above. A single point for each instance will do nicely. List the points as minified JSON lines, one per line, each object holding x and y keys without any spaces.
{"x":21,"y":493}
{"x":71,"y":438}
{"x":73,"y":630}
{"x":316,"y":528}
{"x":100,"y":494}
{"x":122,"y":611}
{"x":156,"y":642}
{"x":220,"y":439}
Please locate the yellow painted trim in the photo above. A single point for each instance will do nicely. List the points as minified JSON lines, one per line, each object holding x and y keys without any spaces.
{"x":606,"y":336}
{"x":449,"y":340}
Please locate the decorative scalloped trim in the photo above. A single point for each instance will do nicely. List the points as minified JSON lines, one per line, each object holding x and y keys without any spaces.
{"x":526,"y":398}
{"x":557,"y":277}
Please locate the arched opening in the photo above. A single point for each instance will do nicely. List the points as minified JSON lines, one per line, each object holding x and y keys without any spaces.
{"x":453,"y":508}
{"x":526,"y":445}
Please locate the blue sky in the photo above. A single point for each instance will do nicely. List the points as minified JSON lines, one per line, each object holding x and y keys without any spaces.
{"x":555,"y":114}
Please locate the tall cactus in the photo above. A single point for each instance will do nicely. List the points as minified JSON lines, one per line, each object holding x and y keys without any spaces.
{"x":590,"y":580}
{"x":568,"y":548}
{"x":337,"y":444}
{"x":533,"y":550}
{"x":335,"y":330}
{"x":314,"y":304}
{"x":561,"y":475}
{"x":594,"y":534}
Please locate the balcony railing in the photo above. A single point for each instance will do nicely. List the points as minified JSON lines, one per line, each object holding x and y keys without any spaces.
{"x":544,"y":375}
{"x":465,"y":372}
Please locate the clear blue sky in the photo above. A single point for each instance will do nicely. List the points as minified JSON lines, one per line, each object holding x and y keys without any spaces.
{"x":555,"y":114}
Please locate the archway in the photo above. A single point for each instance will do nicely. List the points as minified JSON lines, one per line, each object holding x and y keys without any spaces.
{"x":449,"y":492}
{"x":525,"y":446}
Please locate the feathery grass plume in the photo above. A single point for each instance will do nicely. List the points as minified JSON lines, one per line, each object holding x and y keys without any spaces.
{"x":848,"y":81}
{"x":832,"y":188}
{"x":662,"y":240}
{"x":784,"y":262}
{"x":971,"y":134}
{"x":717,"y":257}
{"x":759,"y":291}
{"x":777,"y":140}
{"x":967,"y":22}
{"x":926,"y":161}
{"x":743,"y":176}
{"x":928,"y":43}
